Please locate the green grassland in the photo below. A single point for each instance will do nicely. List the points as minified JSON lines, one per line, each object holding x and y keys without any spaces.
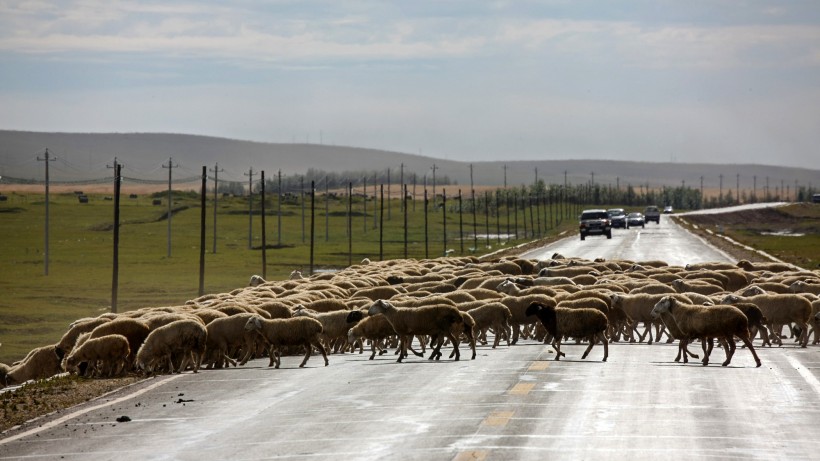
{"x":35,"y":309}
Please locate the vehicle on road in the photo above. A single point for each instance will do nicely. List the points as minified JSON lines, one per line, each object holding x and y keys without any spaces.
{"x":651,"y":213}
{"x":634,"y":220}
{"x":617,"y":217}
{"x":668,"y":209}
{"x":595,"y":222}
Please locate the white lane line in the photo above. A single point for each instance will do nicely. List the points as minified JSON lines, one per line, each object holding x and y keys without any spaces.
{"x":805,"y":373}
{"x":69,"y":416}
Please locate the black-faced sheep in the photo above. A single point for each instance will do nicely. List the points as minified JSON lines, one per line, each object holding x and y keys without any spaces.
{"x":589,"y":324}
{"x":721,"y":321}
{"x":439,"y":321}
{"x":294,"y":331}
{"x":105,"y":355}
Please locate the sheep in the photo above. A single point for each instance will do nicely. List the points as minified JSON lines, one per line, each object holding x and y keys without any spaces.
{"x":40,"y":363}
{"x":589,"y":324}
{"x":704,"y":288}
{"x":134,"y":330}
{"x":335,"y":325}
{"x":209,"y":315}
{"x":758,"y":266}
{"x":780,"y":310}
{"x":376,"y":293}
{"x":287,"y":332}
{"x":426,"y":320}
{"x":76,"y":329}
{"x":492,"y":315}
{"x":375,"y":328}
{"x":653,"y":289}
{"x":567,"y":271}
{"x":637,"y":308}
{"x":676,"y":333}
{"x":225,"y":336}
{"x":771,"y":288}
{"x":185,"y":338}
{"x":801,"y":286}
{"x":720,"y":321}
{"x":4,"y":371}
{"x":106,"y":355}
{"x":511,"y":288}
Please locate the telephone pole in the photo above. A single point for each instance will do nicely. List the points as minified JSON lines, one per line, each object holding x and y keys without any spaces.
{"x":250,"y":174}
{"x":434,"y":185}
{"x":215,"y":171}
{"x":170,"y":167}
{"x":46,"y":159}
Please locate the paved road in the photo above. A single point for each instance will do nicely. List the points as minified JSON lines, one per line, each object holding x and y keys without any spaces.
{"x":510,"y":403}
{"x":666,"y":241}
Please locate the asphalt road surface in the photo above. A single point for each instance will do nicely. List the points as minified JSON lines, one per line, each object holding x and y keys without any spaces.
{"x":665,"y":241}
{"x":510,"y":403}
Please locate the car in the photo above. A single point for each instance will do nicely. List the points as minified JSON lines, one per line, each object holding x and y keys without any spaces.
{"x":668,"y":209}
{"x":595,"y":222}
{"x":635,"y":219}
{"x":617,"y":217}
{"x":651,"y":213}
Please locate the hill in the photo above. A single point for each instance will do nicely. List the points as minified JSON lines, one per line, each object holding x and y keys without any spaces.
{"x":87,"y":156}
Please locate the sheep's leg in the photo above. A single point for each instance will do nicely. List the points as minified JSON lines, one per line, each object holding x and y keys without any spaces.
{"x":706,"y":352}
{"x":402,"y":348}
{"x":556,"y":344}
{"x":515,"y":333}
{"x":730,"y":351}
{"x":589,"y":348}
{"x":272,"y":355}
{"x":372,"y":350}
{"x":308,"y":349}
{"x":804,"y":334}
{"x":324,"y":356}
{"x":410,"y":346}
{"x":751,"y":348}
{"x":606,"y":347}
{"x":453,"y":339}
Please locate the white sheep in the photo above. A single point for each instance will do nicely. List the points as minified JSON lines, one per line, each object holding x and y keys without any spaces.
{"x":376,"y":329}
{"x":779,"y":310}
{"x":183,"y":338}
{"x":105,"y":355}
{"x":427,"y":320}
{"x":40,"y":363}
{"x":706,"y":322}
{"x":335,"y":325}
{"x":583,"y":323}
{"x":492,"y":315}
{"x":294,"y":331}
{"x":226,"y":336}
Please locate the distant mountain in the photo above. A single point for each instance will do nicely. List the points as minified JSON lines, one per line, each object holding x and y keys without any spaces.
{"x":88,"y":156}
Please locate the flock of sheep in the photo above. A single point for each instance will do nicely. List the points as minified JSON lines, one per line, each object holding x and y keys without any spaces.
{"x":445,"y":301}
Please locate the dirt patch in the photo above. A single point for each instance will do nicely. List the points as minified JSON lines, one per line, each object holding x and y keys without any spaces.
{"x":44,"y":397}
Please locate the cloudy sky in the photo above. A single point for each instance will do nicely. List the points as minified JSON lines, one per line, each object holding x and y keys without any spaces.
{"x":731,"y":81}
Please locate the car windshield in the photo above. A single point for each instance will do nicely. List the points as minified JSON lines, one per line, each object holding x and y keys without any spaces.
{"x":634,"y":215}
{"x":594,"y":215}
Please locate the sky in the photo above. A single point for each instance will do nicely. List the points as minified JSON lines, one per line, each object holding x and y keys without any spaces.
{"x":717,"y":81}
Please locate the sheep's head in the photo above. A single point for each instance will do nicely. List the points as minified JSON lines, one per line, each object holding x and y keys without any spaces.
{"x":730,"y":299}
{"x":254,"y":323}
{"x":616,"y":298}
{"x":506,"y":286}
{"x":354,"y":316}
{"x":745,"y":265}
{"x":256,"y":280}
{"x":544,"y":272}
{"x":351,"y":338}
{"x":379,"y":307}
{"x":663,"y":306}
{"x":753,"y":291}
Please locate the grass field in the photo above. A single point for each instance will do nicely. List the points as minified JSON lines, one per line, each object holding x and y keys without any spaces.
{"x":35,"y":309}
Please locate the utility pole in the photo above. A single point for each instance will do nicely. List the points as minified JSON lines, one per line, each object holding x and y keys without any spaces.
{"x":402,"y":185}
{"x":536,"y":177}
{"x":720,"y":190}
{"x":250,"y":174}
{"x":114,"y":167}
{"x":279,"y":213}
{"x":327,"y":209}
{"x":202,"y":218}
{"x":364,"y":204}
{"x":302,"y":199}
{"x":471,"y":176}
{"x":737,"y":189}
{"x":115,"y":273}
{"x":215,"y":171}
{"x":505,"y":176}
{"x":701,"y":192}
{"x":434,"y":185}
{"x":754,"y":188}
{"x":46,"y":159}
{"x":170,"y":167}
{"x":389,"y":214}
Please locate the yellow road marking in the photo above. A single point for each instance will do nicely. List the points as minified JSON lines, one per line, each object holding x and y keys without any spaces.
{"x":522,"y":388}
{"x":498,"y":418}
{"x":539,"y":365}
{"x":477,"y":455}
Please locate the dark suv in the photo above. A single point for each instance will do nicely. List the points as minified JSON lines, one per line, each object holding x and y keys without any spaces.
{"x":595,"y":222}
